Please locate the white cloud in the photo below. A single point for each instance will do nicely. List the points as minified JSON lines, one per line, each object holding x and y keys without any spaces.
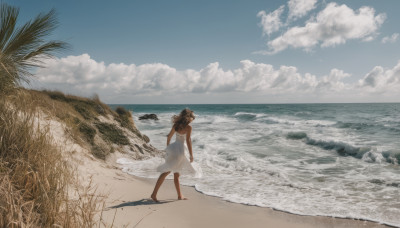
{"x":390,"y":39}
{"x":333,"y":81}
{"x":332,"y":26}
{"x":83,"y":73}
{"x":85,"y":76}
{"x":300,"y":8}
{"x":271,"y":22}
{"x":380,"y":80}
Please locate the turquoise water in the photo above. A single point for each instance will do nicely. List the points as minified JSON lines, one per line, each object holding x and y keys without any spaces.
{"x":337,"y":160}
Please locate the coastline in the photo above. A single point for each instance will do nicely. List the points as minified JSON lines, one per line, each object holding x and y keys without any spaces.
{"x":128,"y":204}
{"x":127,"y":200}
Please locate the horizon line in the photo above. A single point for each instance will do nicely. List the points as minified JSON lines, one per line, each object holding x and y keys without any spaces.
{"x":395,"y":102}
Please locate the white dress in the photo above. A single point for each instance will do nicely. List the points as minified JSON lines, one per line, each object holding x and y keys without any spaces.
{"x":175,"y":159}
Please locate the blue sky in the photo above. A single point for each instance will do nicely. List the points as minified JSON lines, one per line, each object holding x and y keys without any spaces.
{"x":223,"y":52}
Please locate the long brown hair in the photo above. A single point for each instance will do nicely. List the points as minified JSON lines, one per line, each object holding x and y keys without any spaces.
{"x":183,"y":119}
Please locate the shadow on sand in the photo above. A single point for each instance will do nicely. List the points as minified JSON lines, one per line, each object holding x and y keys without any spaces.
{"x":140,"y":202}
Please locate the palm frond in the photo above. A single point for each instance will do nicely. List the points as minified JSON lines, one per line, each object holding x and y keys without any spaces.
{"x":24,"y":48}
{"x":30,"y":35}
{"x":9,"y":17}
{"x":44,"y":50}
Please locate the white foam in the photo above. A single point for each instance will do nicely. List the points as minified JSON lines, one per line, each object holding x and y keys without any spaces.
{"x":320,"y":122}
{"x":250,"y":114}
{"x":373,"y":156}
{"x":290,"y":175}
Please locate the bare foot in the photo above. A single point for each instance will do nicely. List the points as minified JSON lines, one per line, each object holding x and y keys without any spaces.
{"x":154,"y":198}
{"x":182,"y":198}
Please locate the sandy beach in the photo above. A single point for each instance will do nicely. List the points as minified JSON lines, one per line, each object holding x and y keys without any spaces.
{"x":127,"y":200}
{"x":128,"y":205}
{"x":274,"y":113}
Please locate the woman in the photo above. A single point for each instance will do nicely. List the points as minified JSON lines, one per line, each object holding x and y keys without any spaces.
{"x":175,"y":160}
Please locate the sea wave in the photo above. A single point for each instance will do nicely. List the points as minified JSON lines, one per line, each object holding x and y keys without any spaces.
{"x":376,"y":126}
{"x":333,"y":160}
{"x":248,"y":116}
{"x":367,"y":153}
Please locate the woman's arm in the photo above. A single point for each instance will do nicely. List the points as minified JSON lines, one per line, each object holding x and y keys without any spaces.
{"x":189,"y":141}
{"x":171,"y":133}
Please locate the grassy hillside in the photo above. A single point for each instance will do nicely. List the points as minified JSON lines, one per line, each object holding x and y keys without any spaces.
{"x":38,"y":185}
{"x":92,"y":123}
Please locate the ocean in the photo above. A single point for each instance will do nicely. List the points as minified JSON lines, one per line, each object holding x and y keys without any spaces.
{"x":338,"y":160}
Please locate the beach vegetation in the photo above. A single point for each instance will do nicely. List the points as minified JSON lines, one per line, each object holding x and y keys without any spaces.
{"x":87,"y":131}
{"x":39,"y":187}
{"x":101,"y":151}
{"x":36,"y":179}
{"x":124,"y":117}
{"x":126,"y":120}
{"x":86,"y":107}
{"x":112,"y":134}
{"x":85,"y":126}
{"x":24,"y":47}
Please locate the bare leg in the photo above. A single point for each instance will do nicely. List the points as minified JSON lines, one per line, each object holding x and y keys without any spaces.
{"x":158,"y":185}
{"x":178,"y":188}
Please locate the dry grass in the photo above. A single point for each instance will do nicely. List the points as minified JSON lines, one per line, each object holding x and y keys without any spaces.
{"x":125,"y":119}
{"x":38,"y":187}
{"x":88,"y":108}
{"x":80,"y":116}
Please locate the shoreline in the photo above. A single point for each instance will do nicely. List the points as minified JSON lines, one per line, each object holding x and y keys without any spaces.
{"x":288,"y":212}
{"x":128,"y":204}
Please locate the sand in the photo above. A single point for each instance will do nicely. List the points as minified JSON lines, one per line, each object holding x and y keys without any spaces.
{"x":128,"y":205}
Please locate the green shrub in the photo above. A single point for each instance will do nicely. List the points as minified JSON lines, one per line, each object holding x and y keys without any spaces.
{"x":121,"y":111}
{"x":82,"y":109}
{"x":124,"y":118}
{"x":100,"y":152}
{"x":57,"y":95}
{"x":112,"y":134}
{"x":87,"y":131}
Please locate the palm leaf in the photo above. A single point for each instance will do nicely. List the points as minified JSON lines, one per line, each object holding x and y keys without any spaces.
{"x":30,"y":34}
{"x":24,"y":48}
{"x":8,"y":17}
